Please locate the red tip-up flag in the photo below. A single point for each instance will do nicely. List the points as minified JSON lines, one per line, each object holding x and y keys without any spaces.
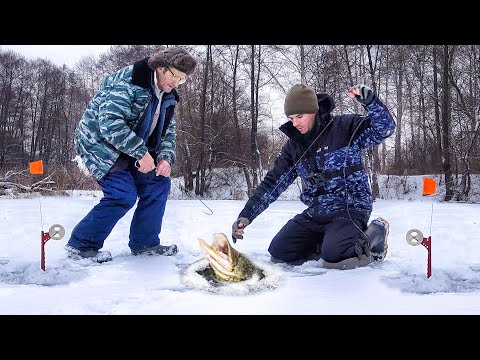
{"x":36,"y":167}
{"x":429,"y":186}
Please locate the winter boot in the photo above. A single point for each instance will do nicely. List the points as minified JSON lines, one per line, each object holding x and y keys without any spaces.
{"x":94,"y":255}
{"x":377,"y":232}
{"x":350,"y":263}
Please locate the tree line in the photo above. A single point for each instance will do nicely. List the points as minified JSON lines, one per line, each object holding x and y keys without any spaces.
{"x":231,"y":107}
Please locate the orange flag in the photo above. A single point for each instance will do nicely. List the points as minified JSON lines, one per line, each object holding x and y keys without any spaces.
{"x":36,"y":167}
{"x":429,"y":186}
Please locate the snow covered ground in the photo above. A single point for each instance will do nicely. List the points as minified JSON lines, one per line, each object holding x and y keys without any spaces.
{"x":171,"y":285}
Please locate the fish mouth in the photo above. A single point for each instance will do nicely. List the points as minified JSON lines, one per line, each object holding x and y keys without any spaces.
{"x":220,"y":257}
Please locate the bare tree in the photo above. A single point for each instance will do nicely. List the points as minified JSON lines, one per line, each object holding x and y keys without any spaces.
{"x":200,"y":184}
{"x":254,"y":89}
{"x":446,"y":165}
{"x":236,"y":122}
{"x":373,"y":151}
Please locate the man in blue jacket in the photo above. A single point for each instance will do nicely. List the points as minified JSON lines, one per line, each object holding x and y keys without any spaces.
{"x":126,"y":139}
{"x":325,"y":151}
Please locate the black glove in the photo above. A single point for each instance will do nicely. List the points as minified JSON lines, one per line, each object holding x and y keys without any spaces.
{"x":235,"y":227}
{"x":365,"y":96}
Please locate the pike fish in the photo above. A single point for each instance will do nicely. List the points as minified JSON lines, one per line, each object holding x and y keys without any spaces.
{"x":228,"y":264}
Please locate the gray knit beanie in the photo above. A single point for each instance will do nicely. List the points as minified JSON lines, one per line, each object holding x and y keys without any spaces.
{"x":175,"y":57}
{"x":301,"y":99}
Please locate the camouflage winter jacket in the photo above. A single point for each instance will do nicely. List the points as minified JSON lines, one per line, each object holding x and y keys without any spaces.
{"x":118,"y":118}
{"x":332,"y":170}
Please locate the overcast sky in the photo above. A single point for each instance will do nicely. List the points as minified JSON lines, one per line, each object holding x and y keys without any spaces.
{"x":59,"y":54}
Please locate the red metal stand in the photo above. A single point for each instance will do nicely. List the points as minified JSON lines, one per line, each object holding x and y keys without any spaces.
{"x":427,"y":243}
{"x":45,"y":238}
{"x":415,"y":237}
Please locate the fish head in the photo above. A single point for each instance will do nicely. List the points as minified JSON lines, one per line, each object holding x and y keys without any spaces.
{"x":225,"y":261}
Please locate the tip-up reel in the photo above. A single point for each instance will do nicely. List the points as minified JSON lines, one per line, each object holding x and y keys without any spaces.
{"x":414,"y":237}
{"x":55,"y":232}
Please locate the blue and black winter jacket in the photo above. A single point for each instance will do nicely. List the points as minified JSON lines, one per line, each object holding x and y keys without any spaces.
{"x":332,"y":169}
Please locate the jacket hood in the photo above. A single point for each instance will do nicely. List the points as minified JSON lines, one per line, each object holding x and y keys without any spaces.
{"x":325,"y":104}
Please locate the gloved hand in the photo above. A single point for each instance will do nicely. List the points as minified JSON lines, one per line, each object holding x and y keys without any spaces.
{"x":237,"y":228}
{"x":362,"y":93}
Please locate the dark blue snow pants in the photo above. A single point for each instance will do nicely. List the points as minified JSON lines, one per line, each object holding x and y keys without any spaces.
{"x":306,"y":237}
{"x":121,"y":188}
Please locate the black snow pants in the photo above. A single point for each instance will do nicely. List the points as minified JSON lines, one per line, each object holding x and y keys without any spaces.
{"x":306,"y":237}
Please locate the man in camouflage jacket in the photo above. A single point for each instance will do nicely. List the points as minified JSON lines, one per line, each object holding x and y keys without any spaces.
{"x":126,"y":139}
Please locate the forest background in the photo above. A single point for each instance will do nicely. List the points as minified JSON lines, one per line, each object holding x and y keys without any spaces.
{"x":231,"y":107}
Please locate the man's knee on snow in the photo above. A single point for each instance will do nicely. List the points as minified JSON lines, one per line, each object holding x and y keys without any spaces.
{"x":279,"y":256}
{"x":333,"y":253}
{"x":357,"y":255}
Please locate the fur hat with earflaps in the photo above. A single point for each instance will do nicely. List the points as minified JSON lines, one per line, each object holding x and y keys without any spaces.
{"x":175,"y":57}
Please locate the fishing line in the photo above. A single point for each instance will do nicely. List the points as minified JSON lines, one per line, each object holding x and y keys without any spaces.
{"x":206,"y":207}
{"x":282,"y":179}
{"x":41,"y":216}
{"x":431,"y":220}
{"x":345,"y":176}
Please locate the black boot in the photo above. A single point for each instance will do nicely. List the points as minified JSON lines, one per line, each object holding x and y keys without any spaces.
{"x":377,"y":232}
